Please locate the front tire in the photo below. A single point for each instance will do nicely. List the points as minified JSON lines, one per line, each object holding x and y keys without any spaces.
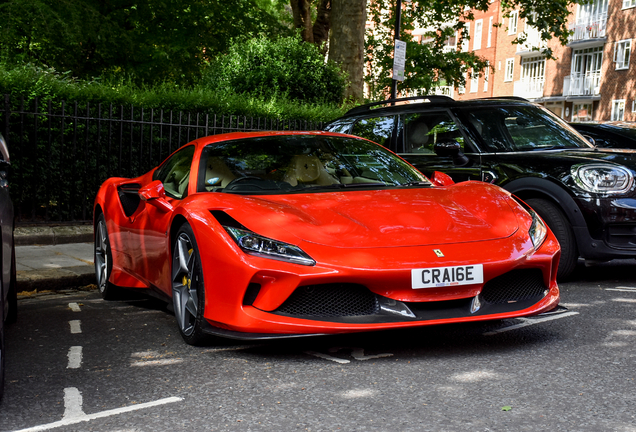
{"x":560,"y":226}
{"x":188,"y":288}
{"x":104,"y":261}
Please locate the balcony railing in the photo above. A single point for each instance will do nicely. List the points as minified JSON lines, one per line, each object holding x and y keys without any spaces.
{"x":533,"y":41}
{"x":591,"y":28}
{"x":530,"y":88}
{"x":443,"y":91}
{"x":588,"y":84}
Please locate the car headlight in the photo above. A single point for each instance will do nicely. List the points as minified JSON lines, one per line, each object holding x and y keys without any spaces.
{"x":537,"y":231}
{"x":257,"y":245}
{"x":602,"y":178}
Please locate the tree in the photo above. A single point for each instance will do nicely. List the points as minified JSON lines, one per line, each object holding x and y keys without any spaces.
{"x":148,"y":40}
{"x":427,"y":65}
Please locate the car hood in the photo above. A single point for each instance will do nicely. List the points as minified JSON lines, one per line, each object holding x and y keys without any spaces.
{"x":466,"y":212}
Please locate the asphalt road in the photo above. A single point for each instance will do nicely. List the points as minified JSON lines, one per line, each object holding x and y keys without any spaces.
{"x":77,"y":363}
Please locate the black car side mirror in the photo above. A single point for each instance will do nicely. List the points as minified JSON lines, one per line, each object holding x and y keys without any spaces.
{"x":452,"y":149}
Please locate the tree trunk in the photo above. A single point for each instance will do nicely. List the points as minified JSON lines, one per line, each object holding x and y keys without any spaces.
{"x":346,"y":44}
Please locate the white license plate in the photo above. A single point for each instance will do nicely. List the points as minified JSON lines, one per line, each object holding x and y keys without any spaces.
{"x":447,"y":276}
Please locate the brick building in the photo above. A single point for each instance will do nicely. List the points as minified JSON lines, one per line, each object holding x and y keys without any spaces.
{"x":592,"y":78}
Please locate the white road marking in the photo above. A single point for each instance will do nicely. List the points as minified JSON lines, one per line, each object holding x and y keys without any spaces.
{"x":74,"y":307}
{"x":624,"y":300}
{"x":530,"y":321}
{"x":358,"y":353}
{"x":621,"y":289}
{"x":74,"y":414}
{"x":75,"y":326}
{"x":72,"y":403}
{"x":162,"y":362}
{"x":74,"y":357}
{"x":327,"y":357}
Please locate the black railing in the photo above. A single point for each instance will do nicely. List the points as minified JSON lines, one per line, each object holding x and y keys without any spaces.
{"x":61,"y":153}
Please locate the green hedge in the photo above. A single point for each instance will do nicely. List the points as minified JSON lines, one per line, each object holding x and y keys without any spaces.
{"x":32,"y":81}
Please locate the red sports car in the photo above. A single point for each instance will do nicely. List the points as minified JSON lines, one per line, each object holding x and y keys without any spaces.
{"x":279,"y":234}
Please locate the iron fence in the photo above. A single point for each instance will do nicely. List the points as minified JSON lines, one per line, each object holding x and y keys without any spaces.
{"x":62,"y":152}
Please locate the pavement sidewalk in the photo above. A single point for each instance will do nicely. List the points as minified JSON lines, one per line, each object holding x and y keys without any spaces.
{"x":53,"y":258}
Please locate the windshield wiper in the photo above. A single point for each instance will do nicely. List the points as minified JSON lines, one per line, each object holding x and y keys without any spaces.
{"x":417,"y":183}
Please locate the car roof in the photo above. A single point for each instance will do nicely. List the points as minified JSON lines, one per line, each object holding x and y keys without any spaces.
{"x":418,"y":103}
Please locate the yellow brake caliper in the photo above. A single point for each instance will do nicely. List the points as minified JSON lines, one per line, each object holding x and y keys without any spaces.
{"x":187,"y":282}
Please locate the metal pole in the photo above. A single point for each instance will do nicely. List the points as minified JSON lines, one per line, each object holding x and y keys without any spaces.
{"x":398,"y":24}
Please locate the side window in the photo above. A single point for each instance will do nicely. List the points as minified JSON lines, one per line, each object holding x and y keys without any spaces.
{"x":423,"y":131}
{"x":376,"y":129}
{"x":175,"y":173}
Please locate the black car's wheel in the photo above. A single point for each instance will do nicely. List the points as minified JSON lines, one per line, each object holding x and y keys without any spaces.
{"x":188,"y":289}
{"x":560,"y":226}
{"x":104,"y":261}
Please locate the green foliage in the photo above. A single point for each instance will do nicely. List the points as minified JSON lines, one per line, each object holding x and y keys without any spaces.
{"x":285,"y":67}
{"x":30,"y":81}
{"x":149,"y":40}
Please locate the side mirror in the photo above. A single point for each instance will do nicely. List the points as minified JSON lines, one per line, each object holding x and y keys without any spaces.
{"x":451,"y":149}
{"x":154,"y":194}
{"x":442,"y":179}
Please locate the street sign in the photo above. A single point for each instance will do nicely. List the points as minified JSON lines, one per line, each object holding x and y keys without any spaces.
{"x":399,"y":60}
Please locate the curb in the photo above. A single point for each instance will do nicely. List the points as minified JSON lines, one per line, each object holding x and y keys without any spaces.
{"x":55,"y":279}
{"x":52,"y":235}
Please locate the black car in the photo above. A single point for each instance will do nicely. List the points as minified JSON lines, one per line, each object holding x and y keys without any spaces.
{"x":8,"y":288}
{"x":586,"y":195}
{"x":615,"y":134}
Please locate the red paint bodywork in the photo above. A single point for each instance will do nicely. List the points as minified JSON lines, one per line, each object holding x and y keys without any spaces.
{"x":373,"y":238}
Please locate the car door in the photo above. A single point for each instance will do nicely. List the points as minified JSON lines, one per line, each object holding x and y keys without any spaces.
{"x":437,"y":141}
{"x":150,"y":244}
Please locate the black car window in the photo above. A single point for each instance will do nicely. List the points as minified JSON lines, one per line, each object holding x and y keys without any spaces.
{"x":522,"y":128}
{"x":175,"y":173}
{"x":423,"y":130}
{"x":376,"y":129}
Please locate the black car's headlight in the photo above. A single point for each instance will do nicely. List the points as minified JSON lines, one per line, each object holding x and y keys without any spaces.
{"x":537,"y":231}
{"x":257,"y":245}
{"x":602,"y":178}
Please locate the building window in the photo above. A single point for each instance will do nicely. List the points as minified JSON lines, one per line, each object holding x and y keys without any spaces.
{"x":451,"y":44}
{"x":634,"y":106}
{"x":618,"y":110}
{"x":474,"y":82}
{"x":489,"y":33}
{"x":533,"y":74}
{"x":629,"y":4}
{"x":486,"y":76}
{"x":479,"y":24}
{"x":510,"y":69}
{"x":461,"y":89}
{"x":582,"y":112}
{"x":622,"y":51}
{"x":512,"y":22}
{"x":465,"y":40}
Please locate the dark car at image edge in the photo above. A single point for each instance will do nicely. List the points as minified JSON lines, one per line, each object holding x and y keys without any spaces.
{"x":586,"y":195}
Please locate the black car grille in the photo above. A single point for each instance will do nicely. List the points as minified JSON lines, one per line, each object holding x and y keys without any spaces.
{"x":330,"y":300}
{"x":516,"y":285}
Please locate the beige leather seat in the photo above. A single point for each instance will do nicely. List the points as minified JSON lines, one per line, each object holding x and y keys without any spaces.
{"x":308,"y":170}
{"x":217,"y":174}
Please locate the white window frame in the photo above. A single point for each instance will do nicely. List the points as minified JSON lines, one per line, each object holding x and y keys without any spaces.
{"x":474,"y":82}
{"x":634,"y":106}
{"x":618,"y":110}
{"x":513,"y":21}
{"x":622,"y":53}
{"x":466,"y":40}
{"x":486,"y":76}
{"x":477,"y":36}
{"x":627,"y":4}
{"x":576,"y":108}
{"x":489,"y":43}
{"x":509,"y":73}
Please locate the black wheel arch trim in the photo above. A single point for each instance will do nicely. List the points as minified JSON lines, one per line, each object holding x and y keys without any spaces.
{"x":556,"y":193}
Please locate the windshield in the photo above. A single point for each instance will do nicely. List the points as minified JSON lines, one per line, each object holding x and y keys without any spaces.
{"x":523,"y":128}
{"x":299,"y":163}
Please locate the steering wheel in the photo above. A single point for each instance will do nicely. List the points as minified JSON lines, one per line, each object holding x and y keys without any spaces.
{"x":240,"y":179}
